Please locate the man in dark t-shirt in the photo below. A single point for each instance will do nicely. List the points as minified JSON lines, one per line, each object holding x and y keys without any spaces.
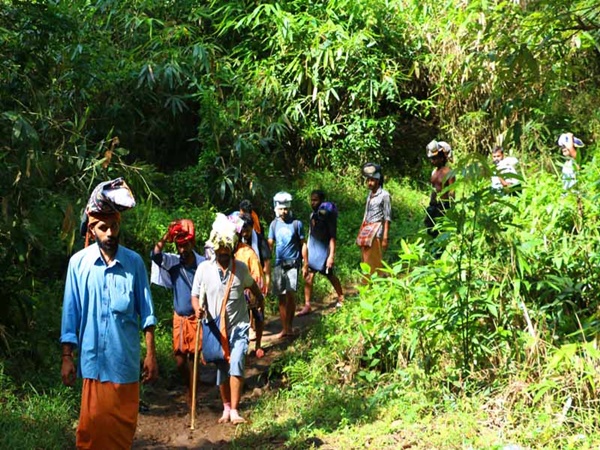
{"x":319,"y":254}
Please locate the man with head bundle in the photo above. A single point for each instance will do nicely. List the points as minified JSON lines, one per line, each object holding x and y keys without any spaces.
{"x":107,"y":297}
{"x":373,"y":236}
{"x":224,"y":280}
{"x":568,"y":143}
{"x":319,"y":253}
{"x":176,"y":272}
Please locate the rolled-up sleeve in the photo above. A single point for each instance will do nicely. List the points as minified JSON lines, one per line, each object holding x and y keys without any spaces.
{"x":144,"y":296}
{"x":387,"y":207}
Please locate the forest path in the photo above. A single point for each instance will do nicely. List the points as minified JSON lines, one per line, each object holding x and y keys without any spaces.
{"x":165,"y":423}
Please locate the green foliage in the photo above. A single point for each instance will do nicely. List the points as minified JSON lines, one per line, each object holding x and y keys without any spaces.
{"x":221,"y":101}
{"x":35,"y":419}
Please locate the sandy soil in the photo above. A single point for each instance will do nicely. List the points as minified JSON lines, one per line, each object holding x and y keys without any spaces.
{"x":164,"y":422}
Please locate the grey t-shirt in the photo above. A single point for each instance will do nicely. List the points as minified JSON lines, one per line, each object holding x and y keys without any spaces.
{"x":378,"y":208}
{"x":208,"y":275}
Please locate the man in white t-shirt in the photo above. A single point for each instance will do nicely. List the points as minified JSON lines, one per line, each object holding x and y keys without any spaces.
{"x":505,"y":165}
{"x":567,"y":143}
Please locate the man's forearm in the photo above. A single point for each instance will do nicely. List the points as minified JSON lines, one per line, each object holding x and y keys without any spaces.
{"x":158,"y":248}
{"x":332,"y":247}
{"x":150,"y":345}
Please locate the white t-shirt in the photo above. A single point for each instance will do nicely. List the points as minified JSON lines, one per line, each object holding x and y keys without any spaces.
{"x":569,"y":177}
{"x":504,"y":167}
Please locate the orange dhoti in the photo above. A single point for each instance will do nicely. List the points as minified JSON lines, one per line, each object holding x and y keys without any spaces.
{"x":184,"y":333}
{"x":373,"y":255}
{"x":108,"y":415}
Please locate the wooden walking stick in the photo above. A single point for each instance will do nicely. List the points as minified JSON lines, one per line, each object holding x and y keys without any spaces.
{"x":195,"y":375}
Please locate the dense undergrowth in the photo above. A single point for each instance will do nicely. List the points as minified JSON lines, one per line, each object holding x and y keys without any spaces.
{"x":491,"y":344}
{"x":200,"y":105}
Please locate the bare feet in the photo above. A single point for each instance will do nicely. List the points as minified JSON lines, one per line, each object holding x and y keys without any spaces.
{"x":236,"y":419}
{"x":287,"y":334}
{"x":304,"y":311}
{"x":281,"y":335}
{"x":225,"y":417}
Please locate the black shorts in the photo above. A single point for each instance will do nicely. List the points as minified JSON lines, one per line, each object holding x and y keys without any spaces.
{"x":327,"y":272}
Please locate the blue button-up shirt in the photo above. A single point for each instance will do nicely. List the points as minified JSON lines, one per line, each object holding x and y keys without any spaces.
{"x":103,"y":308}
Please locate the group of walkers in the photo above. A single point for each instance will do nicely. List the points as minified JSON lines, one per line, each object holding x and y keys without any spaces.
{"x":107,"y":297}
{"x":107,"y":294}
{"x":506,"y":179}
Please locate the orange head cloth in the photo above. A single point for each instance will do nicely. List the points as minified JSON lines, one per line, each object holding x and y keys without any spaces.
{"x":94,"y":218}
{"x":182,"y":231}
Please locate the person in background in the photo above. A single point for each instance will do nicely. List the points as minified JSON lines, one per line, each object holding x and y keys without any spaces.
{"x":378,"y":210}
{"x":244,"y":253}
{"x":208,"y":293}
{"x":175,"y":271}
{"x":568,"y":145}
{"x":257,"y":241}
{"x":106,"y":299}
{"x":286,"y":237}
{"x":318,"y":254}
{"x":439,"y":154}
{"x":247,"y":207}
{"x":505,"y":165}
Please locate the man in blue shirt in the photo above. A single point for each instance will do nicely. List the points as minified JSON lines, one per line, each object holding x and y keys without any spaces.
{"x":107,"y":297}
{"x":176,"y":272}
{"x":287,"y":236}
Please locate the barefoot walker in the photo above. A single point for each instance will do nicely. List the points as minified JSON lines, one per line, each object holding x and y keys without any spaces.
{"x":107,"y":297}
{"x":319,"y":253}
{"x":176,"y":272}
{"x":286,"y":235}
{"x":222,"y":283}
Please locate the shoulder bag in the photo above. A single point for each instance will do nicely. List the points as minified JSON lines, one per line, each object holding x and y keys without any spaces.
{"x":215,"y":343}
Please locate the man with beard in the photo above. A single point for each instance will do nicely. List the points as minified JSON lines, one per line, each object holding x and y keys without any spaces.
{"x":286,"y":236}
{"x":209,"y":288}
{"x":505,"y":166}
{"x":319,"y":254}
{"x":107,"y":297}
{"x":176,"y":272}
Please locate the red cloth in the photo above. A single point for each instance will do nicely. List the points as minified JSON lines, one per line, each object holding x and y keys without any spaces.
{"x":182,"y":231}
{"x":108,"y":415}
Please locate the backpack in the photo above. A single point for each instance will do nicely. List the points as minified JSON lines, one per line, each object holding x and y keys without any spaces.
{"x":328,"y":208}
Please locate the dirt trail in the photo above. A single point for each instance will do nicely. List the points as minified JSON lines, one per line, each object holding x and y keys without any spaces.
{"x":165,"y":422}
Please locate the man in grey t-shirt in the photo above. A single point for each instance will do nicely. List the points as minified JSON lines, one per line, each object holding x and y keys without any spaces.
{"x":208,"y":292}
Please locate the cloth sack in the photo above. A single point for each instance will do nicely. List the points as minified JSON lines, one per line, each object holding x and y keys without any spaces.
{"x":107,"y":198}
{"x":215,"y":343}
{"x":212,"y":348}
{"x":367,"y":233}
